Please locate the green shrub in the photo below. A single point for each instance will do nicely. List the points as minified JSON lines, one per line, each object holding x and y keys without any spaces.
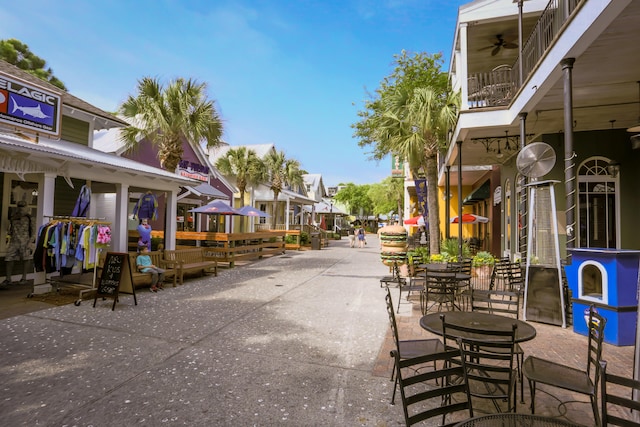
{"x":290,"y":239}
{"x":449,"y":249}
{"x":483,"y":258}
{"x":304,"y":238}
{"x":156,"y":242}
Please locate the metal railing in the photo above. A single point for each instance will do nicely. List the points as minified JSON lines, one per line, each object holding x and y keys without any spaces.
{"x":498,"y":87}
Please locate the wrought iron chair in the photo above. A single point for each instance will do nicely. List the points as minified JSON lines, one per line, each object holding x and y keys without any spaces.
{"x":440,"y":288}
{"x":407,"y":349}
{"x":569,"y":378}
{"x":487,"y":359}
{"x":500,"y":274}
{"x":504,"y":303}
{"x":395,"y":277}
{"x":426,"y":395}
{"x":463,"y":293}
{"x":613,"y":396}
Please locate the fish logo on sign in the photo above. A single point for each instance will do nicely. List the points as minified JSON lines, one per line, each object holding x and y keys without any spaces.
{"x":29,"y":111}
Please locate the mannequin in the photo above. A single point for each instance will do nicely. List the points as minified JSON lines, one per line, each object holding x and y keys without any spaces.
{"x":21,"y":232}
{"x":144,"y":229}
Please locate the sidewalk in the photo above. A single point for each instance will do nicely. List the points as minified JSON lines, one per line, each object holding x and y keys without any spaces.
{"x":289,"y":340}
{"x":301,"y":339}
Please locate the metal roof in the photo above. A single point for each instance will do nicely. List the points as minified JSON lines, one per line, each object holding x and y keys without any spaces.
{"x":61,"y":155}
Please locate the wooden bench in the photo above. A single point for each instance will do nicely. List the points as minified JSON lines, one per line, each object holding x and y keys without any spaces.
{"x":157,"y":259}
{"x":190,"y":260}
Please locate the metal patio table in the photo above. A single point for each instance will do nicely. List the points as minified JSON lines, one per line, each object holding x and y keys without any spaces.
{"x":477,"y":320}
{"x":515,"y":420}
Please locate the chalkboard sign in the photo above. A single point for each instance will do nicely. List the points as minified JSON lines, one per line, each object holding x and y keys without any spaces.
{"x":116,"y":278}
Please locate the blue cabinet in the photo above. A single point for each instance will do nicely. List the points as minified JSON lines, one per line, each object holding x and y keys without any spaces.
{"x":608,"y":280}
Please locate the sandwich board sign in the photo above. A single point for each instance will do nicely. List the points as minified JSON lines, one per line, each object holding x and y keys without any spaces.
{"x":116,"y":278}
{"x":30,"y":107}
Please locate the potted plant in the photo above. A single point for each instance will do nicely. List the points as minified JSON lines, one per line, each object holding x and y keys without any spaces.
{"x":481,"y":264}
{"x":449,"y":248}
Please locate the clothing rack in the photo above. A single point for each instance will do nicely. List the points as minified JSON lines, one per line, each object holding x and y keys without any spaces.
{"x":78,"y":219}
{"x":85,"y":221}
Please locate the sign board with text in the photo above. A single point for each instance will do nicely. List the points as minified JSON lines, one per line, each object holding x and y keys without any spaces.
{"x":116,"y":278}
{"x":29,"y":107}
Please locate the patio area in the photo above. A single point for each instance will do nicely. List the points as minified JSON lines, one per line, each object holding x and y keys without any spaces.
{"x":551,"y":342}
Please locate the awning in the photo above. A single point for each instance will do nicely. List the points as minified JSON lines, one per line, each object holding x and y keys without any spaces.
{"x":207,"y":190}
{"x":479,"y":194}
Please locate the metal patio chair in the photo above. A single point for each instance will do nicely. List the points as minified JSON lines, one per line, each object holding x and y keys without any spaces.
{"x":431,"y":394}
{"x":555,"y":374}
{"x":407,"y":349}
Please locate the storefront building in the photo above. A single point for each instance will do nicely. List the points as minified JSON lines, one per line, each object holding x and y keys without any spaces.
{"x":47,"y":161}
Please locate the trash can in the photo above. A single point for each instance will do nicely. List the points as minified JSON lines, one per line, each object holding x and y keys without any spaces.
{"x":315,"y":241}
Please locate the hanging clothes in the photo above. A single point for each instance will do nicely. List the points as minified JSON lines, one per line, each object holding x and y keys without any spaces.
{"x":144,"y":229}
{"x":64,"y":244}
{"x":81,"y":208}
{"x":146,"y":207}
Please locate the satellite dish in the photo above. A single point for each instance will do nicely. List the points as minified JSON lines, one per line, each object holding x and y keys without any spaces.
{"x":536,"y":160}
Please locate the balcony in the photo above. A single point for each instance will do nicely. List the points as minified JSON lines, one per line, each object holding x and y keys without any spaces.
{"x":498,"y":87}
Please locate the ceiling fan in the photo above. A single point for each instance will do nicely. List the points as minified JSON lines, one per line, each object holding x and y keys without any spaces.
{"x":498,"y":44}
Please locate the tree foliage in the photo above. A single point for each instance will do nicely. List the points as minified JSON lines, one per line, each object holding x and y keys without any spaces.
{"x":410,"y":116}
{"x":356,"y":199}
{"x":281,"y":173}
{"x":17,"y":53}
{"x":387,"y":196}
{"x":166,"y":115}
{"x":409,"y":72}
{"x":242,"y":164}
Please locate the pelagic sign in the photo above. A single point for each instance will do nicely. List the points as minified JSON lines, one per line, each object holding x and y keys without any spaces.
{"x":29,"y":107}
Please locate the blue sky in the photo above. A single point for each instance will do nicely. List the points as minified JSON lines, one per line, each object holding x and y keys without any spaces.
{"x":292,"y":73}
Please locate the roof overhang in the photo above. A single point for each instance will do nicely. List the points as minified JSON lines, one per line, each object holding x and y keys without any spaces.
{"x":23,"y":155}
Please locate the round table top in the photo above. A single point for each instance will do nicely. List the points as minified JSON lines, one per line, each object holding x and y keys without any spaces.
{"x":477,"y":320}
{"x":515,"y":420}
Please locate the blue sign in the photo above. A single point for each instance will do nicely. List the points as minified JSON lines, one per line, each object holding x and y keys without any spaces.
{"x":29,"y":107}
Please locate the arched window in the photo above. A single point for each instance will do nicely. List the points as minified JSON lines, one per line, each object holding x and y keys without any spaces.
{"x":598,"y":205}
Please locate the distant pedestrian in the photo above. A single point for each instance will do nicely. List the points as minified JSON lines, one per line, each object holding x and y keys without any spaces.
{"x":361,"y":237}
{"x":351,"y":232}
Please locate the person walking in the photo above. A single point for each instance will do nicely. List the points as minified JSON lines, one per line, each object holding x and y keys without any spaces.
{"x":351,"y":232}
{"x":361,"y":237}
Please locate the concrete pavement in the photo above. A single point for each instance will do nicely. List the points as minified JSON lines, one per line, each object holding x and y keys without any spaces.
{"x":289,"y":340}
{"x":301,"y":339}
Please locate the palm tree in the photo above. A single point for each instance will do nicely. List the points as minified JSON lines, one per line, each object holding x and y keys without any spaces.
{"x":415,"y":125}
{"x":281,"y":173}
{"x":165,"y":115}
{"x":244,"y":165}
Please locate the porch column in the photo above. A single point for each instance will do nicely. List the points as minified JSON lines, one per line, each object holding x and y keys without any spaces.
{"x":119,"y":231}
{"x":520,"y":42}
{"x":447,"y":204}
{"x":286,"y":214}
{"x":46,"y":197}
{"x":569,"y":155}
{"x":459,"y":199}
{"x":463,"y":69}
{"x":170,"y":222}
{"x":46,"y":193}
{"x":521,"y":221}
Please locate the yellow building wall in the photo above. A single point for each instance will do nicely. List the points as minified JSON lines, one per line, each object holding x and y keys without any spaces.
{"x":467,"y":229}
